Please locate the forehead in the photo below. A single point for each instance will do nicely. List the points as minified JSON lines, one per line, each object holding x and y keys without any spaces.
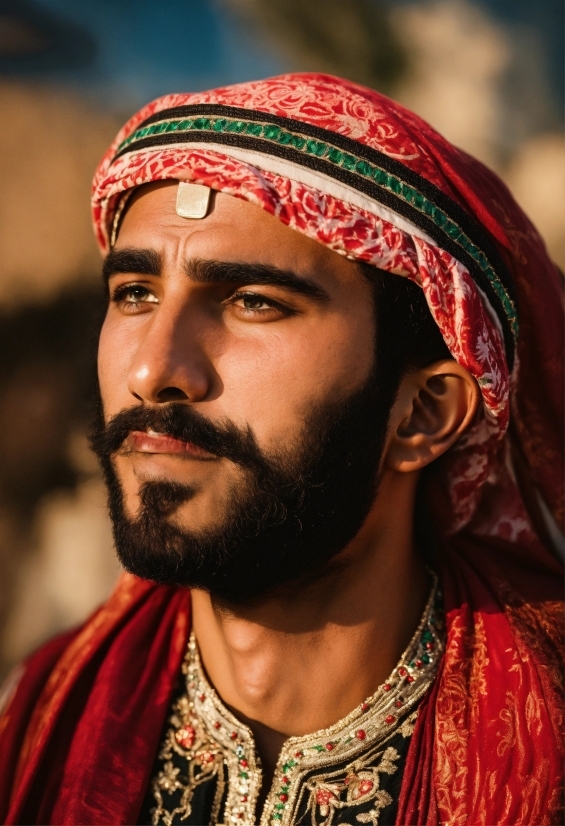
{"x":233,"y":230}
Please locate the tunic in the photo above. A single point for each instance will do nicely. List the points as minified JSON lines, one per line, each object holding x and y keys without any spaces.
{"x":208,"y":770}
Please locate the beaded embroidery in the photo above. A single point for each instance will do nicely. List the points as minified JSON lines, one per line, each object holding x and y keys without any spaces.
{"x":268,"y":132}
{"x":321,"y":773}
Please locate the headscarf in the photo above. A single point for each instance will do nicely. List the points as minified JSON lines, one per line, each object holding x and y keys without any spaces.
{"x":360,"y":174}
{"x":367,"y":178}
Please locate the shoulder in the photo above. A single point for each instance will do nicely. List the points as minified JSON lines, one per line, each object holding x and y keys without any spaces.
{"x":18,"y":698}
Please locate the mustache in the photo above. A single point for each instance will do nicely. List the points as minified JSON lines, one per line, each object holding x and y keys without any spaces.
{"x":223,"y":439}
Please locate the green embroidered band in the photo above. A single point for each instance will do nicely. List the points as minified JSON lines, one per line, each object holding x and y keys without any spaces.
{"x":369,"y":171}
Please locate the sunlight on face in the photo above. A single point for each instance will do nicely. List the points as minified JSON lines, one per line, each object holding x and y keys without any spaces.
{"x":214,"y":313}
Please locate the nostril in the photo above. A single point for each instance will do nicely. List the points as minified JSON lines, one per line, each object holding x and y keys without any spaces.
{"x":171,"y":394}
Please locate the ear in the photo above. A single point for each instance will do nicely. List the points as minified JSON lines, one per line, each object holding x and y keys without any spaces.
{"x":432,"y":409}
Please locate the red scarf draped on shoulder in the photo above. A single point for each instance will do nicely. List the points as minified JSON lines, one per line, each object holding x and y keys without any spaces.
{"x":80,"y":731}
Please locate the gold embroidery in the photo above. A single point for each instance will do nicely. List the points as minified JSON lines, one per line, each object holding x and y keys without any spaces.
{"x":373,"y":816}
{"x":538,"y":630}
{"x":406,"y":728}
{"x":326,"y":771}
{"x":507,"y":737}
{"x":188,"y":738}
{"x":533,"y":634}
{"x":477,"y":679}
{"x":358,"y":786}
{"x":451,"y":739}
{"x":214,"y":744}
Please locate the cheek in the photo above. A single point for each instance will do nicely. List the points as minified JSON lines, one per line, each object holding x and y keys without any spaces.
{"x":116,"y":351}
{"x":273,"y":382}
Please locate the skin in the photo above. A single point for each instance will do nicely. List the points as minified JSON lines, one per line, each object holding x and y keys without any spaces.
{"x":298,"y":661}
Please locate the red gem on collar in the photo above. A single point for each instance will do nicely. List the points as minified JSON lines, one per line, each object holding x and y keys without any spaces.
{"x":185,"y":737}
{"x":206,"y":757}
{"x":364,"y":787}
{"x":323,"y":797}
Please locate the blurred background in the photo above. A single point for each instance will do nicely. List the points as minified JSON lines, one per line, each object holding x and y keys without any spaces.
{"x":487,"y":73}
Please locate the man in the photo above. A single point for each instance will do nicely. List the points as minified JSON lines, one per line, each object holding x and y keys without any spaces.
{"x":330,"y":395}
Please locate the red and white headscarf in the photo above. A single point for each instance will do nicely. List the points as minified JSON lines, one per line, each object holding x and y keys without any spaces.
{"x":365,"y":177}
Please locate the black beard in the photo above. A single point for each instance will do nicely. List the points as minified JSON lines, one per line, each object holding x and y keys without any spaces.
{"x":287,"y":523}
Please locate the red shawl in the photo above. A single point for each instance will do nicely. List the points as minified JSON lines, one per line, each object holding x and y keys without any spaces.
{"x":80,"y":732}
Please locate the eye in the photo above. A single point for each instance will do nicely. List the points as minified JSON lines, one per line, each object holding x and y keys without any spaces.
{"x":133,"y":296}
{"x":253,"y":306}
{"x":251,"y":301}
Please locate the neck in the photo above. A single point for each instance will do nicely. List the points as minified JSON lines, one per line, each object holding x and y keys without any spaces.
{"x":299,"y":662}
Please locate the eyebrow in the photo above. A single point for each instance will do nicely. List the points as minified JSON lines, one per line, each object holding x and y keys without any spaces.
{"x":129,"y":260}
{"x":149,"y":262}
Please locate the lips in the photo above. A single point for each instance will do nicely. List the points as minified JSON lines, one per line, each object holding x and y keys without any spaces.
{"x":151,"y":442}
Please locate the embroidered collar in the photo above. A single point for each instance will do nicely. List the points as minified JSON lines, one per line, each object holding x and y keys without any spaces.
{"x":211,"y":738}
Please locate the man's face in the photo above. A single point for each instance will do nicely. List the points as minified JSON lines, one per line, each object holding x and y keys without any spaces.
{"x":256,"y":331}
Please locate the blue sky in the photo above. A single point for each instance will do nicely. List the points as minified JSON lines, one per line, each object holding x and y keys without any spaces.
{"x":148,"y":47}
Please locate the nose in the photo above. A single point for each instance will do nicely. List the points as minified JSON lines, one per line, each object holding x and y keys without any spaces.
{"x":170,"y":363}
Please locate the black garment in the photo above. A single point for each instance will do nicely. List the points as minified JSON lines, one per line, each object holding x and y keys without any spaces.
{"x":207,"y":770}
{"x":202,"y":802}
